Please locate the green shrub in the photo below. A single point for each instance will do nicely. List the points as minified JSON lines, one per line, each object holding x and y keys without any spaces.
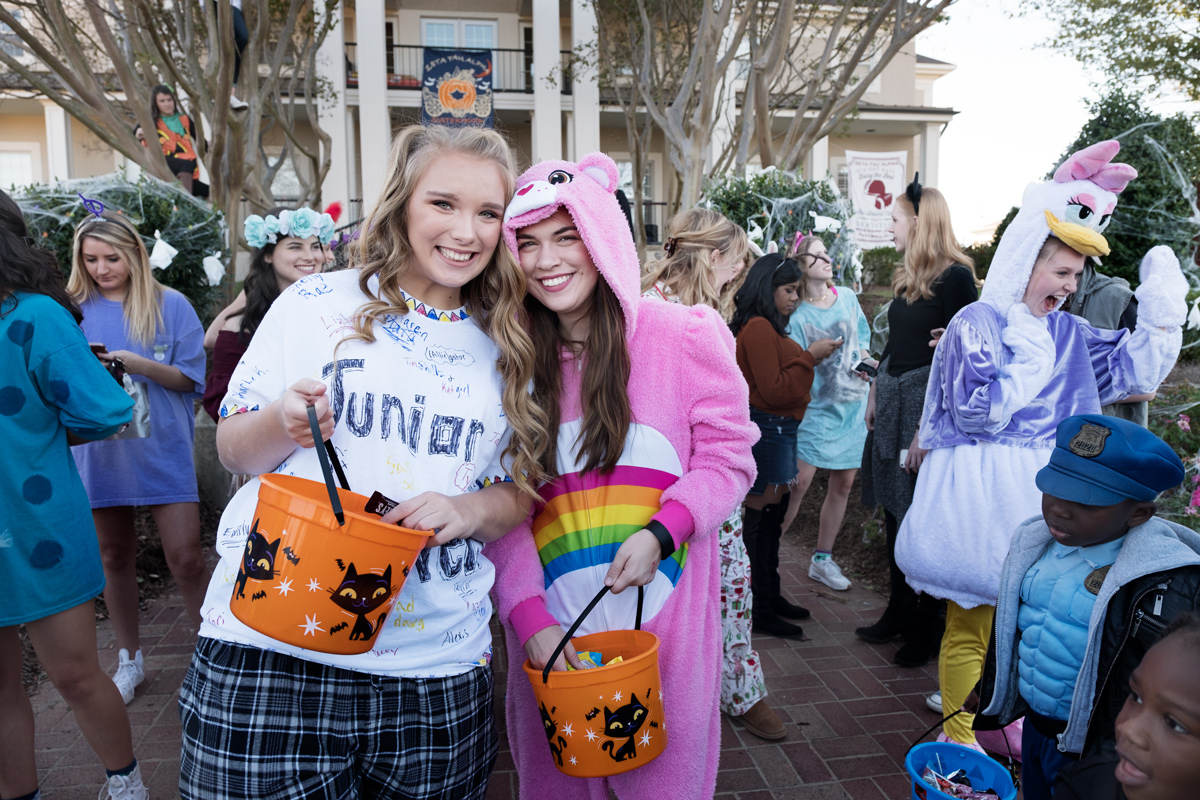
{"x":192,"y":226}
{"x":879,"y":263}
{"x":1171,"y":418}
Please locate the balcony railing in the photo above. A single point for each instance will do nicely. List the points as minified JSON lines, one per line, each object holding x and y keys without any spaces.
{"x":512,"y":70}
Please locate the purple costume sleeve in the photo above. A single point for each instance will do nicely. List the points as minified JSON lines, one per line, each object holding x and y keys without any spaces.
{"x":967,"y":375}
{"x":1111,"y":361}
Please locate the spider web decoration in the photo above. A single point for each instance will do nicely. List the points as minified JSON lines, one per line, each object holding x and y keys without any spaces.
{"x":192,"y":226}
{"x":772,"y":206}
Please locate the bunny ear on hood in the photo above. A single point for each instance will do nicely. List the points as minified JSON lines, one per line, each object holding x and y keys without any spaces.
{"x":587,"y":190}
{"x":1074,"y":206}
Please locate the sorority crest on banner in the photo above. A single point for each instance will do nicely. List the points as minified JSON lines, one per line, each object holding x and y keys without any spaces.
{"x":875,"y":180}
{"x":456,"y":88}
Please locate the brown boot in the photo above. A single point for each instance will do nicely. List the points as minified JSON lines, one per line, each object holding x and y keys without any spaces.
{"x":763,"y":722}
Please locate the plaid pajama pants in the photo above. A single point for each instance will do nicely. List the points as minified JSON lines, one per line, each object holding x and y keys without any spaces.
{"x":269,"y":726}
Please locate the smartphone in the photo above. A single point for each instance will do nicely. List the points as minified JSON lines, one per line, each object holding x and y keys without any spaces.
{"x":866,"y":368}
{"x":903,"y":456}
{"x":97,"y":348}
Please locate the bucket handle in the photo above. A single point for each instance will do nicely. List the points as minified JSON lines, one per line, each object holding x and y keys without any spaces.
{"x":325,"y":455}
{"x":1011,"y":770}
{"x":637,"y":625}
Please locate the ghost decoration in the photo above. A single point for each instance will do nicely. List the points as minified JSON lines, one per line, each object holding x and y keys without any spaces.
{"x":214,"y":270}
{"x":822,"y":224}
{"x":1193,"y":318}
{"x":162,"y":254}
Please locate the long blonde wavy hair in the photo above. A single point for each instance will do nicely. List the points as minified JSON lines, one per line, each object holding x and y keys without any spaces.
{"x":142,"y":306}
{"x":494,"y":297}
{"x":930,"y":249}
{"x":686,"y":271}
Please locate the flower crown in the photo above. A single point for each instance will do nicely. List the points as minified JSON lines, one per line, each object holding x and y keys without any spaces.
{"x":299,"y":224}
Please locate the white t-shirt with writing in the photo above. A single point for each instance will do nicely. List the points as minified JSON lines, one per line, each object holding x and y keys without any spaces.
{"x":417,"y":410}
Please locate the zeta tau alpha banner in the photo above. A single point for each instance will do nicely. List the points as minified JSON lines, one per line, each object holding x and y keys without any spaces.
{"x":875,"y":180}
{"x":456,"y":88}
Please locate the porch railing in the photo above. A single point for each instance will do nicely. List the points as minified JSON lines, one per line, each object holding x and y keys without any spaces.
{"x":512,"y":70}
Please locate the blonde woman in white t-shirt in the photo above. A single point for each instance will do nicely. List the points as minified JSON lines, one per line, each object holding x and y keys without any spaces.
{"x":400,"y":359}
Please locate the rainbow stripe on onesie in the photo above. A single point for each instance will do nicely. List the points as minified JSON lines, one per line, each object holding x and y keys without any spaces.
{"x":586,"y":518}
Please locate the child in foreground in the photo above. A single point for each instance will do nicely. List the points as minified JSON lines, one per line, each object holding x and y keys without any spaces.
{"x":1157,"y":750}
{"x":1086,"y":589}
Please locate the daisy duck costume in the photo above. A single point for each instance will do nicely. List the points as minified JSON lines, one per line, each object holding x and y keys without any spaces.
{"x":686,"y":465}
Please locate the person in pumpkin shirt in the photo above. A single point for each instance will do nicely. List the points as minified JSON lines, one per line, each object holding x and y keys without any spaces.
{"x":176,"y":136}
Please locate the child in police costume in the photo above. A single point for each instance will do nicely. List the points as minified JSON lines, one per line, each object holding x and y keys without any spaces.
{"x":1085,"y":591}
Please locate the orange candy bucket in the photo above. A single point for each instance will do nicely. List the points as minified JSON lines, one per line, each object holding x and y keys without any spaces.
{"x":608,"y":720}
{"x":310,"y":581}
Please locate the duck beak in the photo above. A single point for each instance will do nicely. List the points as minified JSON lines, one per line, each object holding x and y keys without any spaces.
{"x":1079,"y":238}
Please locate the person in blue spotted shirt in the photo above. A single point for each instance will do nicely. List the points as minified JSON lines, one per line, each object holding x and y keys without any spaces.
{"x":53,"y":392}
{"x":1087,"y":588}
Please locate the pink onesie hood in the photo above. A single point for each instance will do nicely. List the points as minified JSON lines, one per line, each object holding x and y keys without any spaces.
{"x":588,"y":191}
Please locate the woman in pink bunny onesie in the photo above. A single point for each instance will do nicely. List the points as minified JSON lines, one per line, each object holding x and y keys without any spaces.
{"x":1008,"y":369}
{"x":648,"y":452}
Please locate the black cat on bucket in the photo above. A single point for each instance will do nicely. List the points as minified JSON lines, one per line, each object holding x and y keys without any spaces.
{"x":360,"y":593}
{"x":551,"y":729}
{"x":258,"y":561}
{"x":625,"y":721}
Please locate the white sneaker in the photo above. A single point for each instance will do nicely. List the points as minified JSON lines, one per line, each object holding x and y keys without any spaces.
{"x":828,"y":573}
{"x":237,"y":104}
{"x":934,"y":702}
{"x":125,"y":787}
{"x":129,"y":674}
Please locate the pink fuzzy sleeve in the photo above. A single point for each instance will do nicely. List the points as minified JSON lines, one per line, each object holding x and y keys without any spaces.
{"x":520,"y":588}
{"x":711,"y":388}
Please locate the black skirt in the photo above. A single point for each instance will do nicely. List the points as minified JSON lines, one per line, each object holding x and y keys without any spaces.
{"x":899,"y":402}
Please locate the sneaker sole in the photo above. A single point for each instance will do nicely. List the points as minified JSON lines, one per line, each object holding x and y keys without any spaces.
{"x":930,"y":705}
{"x":824,"y":582}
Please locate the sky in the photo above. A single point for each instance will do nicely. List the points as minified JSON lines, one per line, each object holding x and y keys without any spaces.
{"x":1020,"y":105}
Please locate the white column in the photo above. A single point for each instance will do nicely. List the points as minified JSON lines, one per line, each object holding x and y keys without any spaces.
{"x":547,"y":97}
{"x":58,"y":141}
{"x":331,"y":61}
{"x":354,"y":173}
{"x":586,"y":88}
{"x":931,"y":138}
{"x":375,"y":124}
{"x":818,"y":160}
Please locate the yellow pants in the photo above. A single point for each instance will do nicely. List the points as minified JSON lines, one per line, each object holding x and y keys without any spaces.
{"x":960,"y":665}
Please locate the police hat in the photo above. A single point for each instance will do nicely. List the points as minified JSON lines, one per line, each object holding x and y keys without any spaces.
{"x":1102,"y":461}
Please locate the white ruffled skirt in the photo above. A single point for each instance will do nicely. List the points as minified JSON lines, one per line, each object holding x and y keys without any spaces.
{"x":968,"y":502}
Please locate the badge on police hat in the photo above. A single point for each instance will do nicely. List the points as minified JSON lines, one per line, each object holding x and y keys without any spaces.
{"x":1089,"y":442}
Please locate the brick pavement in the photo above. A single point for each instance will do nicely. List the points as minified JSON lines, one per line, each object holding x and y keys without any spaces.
{"x":850,"y":712}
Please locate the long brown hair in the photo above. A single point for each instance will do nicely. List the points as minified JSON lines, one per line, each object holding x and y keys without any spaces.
{"x":142,"y":306}
{"x":931,"y":247}
{"x":604,"y":394}
{"x":25,"y":267}
{"x":493,"y":297}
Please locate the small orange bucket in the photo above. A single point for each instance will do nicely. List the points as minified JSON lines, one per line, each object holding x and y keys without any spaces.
{"x":608,"y":720}
{"x":318,"y":571}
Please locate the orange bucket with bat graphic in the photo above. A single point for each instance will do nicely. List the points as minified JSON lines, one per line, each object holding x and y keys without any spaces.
{"x":607,"y":720}
{"x":308,"y":581}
